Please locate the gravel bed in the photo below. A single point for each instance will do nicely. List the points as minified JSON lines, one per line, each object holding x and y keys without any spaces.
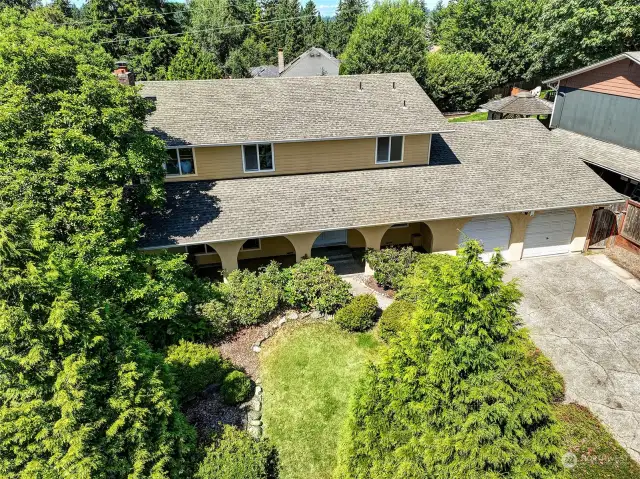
{"x":208,"y":413}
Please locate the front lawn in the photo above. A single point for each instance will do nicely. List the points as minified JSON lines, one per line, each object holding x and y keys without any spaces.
{"x":308,"y":372}
{"x":598,"y":455}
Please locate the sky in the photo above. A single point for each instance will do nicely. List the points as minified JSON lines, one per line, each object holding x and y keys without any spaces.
{"x":327,"y":8}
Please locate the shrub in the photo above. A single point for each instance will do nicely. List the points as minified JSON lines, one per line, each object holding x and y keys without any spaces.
{"x":458,"y":385}
{"x":195,"y":366}
{"x":252,"y":297}
{"x":426,"y":269}
{"x":552,"y":380}
{"x":236,"y":387}
{"x":359,"y":314}
{"x":391,"y":265}
{"x":236,"y":455}
{"x":394,"y":318}
{"x":218,"y":316}
{"x":313,"y":284}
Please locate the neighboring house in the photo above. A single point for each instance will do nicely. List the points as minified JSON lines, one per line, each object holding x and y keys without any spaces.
{"x":265,"y":168}
{"x":313,"y":62}
{"x":597,"y":111}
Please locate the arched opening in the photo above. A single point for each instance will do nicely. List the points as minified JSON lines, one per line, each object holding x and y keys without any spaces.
{"x":259,"y":252}
{"x":345,"y":254}
{"x":417,"y":235}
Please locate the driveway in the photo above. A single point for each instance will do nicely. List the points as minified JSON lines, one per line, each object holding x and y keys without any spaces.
{"x":587,"y":320}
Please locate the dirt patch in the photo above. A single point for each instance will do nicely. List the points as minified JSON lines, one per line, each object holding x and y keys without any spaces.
{"x":208,"y":413}
{"x":371,"y":283}
{"x":625,"y":259}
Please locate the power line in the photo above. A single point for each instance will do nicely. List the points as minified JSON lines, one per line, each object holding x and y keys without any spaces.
{"x":126,"y":40}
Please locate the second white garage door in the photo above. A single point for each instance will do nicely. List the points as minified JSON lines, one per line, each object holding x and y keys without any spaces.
{"x":493,"y":232}
{"x":549,"y":233}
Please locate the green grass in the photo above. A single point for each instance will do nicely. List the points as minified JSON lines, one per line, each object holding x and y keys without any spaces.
{"x":308,"y":373}
{"x":477,"y":116}
{"x":598,"y":454}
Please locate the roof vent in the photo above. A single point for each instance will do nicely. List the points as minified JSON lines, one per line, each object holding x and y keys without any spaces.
{"x":393,"y":85}
{"x":360,"y":87}
{"x":404,"y":104}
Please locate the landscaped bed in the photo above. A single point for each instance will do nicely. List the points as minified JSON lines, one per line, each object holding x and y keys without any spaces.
{"x":308,"y":373}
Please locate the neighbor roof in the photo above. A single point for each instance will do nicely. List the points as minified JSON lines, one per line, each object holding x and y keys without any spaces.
{"x":621,"y":160}
{"x":634,"y":56}
{"x":520,"y":105}
{"x":310,"y":50}
{"x":254,"y":110}
{"x":264,"y":71}
{"x":477,"y":170}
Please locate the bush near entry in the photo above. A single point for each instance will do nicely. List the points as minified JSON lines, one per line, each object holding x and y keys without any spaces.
{"x":359,"y":314}
{"x":236,"y":455}
{"x":391,"y":265}
{"x":195,"y":366}
{"x":395,"y":318}
{"x":454,"y":395}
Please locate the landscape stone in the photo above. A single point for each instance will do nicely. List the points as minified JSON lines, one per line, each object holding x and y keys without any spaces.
{"x":290,"y":315}
{"x":255,"y":422}
{"x":256,"y":348}
{"x":255,"y":431}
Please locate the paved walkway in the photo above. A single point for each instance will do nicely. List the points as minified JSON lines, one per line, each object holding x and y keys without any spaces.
{"x":585,"y":315}
{"x":359,"y":287}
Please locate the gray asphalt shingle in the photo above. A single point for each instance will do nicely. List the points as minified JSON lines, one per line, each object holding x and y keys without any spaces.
{"x":520,"y":105}
{"x":625,"y":161}
{"x":481,"y":168}
{"x":219,"y":112}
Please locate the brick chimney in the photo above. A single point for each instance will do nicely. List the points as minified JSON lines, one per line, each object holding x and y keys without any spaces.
{"x":280,"y":60}
{"x":125,"y":77}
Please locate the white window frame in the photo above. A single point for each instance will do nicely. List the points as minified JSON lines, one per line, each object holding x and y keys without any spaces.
{"x":252,"y":249}
{"x":193,"y":155}
{"x":389,"y":162}
{"x":255,"y":145}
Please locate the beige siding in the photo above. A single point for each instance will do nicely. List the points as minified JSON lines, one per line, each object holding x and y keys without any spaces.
{"x":621,"y":78}
{"x":276,"y":246}
{"x":224,"y":162}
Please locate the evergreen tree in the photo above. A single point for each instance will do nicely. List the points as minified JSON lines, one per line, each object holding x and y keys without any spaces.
{"x":310,"y":30}
{"x":455,"y":394}
{"x":250,"y":54}
{"x":192,"y":63}
{"x":288,"y":31}
{"x":390,"y":38}
{"x":347,"y":15}
{"x":81,"y":392}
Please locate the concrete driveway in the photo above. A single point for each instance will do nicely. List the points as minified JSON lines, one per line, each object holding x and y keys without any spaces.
{"x":586,"y":318}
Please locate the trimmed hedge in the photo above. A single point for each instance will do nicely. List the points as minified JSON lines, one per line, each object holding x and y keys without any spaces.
{"x":313,"y":284}
{"x":236,"y":455}
{"x":394,"y":318}
{"x":195,"y":366}
{"x":236,"y":388}
{"x":359,"y":314}
{"x":391,"y":265}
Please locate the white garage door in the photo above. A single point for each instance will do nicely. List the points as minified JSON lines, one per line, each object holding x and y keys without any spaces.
{"x":493,"y":232}
{"x":331,"y":238}
{"x":549,"y":233}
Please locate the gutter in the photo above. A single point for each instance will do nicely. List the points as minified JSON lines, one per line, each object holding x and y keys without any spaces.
{"x":192,"y":243}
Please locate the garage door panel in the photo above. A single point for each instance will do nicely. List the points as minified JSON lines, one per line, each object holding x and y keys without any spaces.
{"x":549,"y":233}
{"x":493,"y":232}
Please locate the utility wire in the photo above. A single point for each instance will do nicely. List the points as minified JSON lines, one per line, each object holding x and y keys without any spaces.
{"x":126,"y":40}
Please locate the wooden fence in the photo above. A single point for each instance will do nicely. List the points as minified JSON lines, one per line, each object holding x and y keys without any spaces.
{"x":631,"y":224}
{"x":617,"y":224}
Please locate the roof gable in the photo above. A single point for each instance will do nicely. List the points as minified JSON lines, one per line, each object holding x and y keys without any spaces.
{"x":633,"y":56}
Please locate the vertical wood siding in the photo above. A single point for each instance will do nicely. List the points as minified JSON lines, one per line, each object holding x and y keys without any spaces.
{"x":225,"y":162}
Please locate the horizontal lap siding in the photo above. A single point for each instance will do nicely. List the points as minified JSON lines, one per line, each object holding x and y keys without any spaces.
{"x":621,"y":78}
{"x":225,"y":162}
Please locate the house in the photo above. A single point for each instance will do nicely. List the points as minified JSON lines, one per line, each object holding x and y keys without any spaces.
{"x":597,"y":112}
{"x":314,"y":62}
{"x":278,"y":167}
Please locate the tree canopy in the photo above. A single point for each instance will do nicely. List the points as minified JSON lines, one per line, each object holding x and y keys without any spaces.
{"x":390,"y":38}
{"x":455,"y":394}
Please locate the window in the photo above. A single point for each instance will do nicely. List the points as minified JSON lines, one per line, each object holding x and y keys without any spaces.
{"x":180,"y":162}
{"x":258,"y":157}
{"x":389,"y":149}
{"x":252,"y":244}
{"x":199,"y":249}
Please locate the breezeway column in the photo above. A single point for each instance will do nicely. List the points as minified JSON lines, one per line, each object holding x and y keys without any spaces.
{"x":228,"y":252}
{"x":372,"y":238}
{"x":519,"y":223}
{"x":303,"y":243}
{"x":581,"y":229}
{"x":446,"y":234}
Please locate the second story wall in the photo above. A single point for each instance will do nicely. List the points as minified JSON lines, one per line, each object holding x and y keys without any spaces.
{"x":226,"y":162}
{"x":603,"y":103}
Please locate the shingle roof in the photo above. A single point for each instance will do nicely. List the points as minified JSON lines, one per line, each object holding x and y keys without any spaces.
{"x":310,"y":50}
{"x":218,"y":112}
{"x":264,"y":71}
{"x":520,"y":105}
{"x":625,"y":161}
{"x":635,"y":56}
{"x":476,"y":170}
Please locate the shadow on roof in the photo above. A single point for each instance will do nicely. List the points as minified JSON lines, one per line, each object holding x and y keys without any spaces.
{"x":441,"y":152}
